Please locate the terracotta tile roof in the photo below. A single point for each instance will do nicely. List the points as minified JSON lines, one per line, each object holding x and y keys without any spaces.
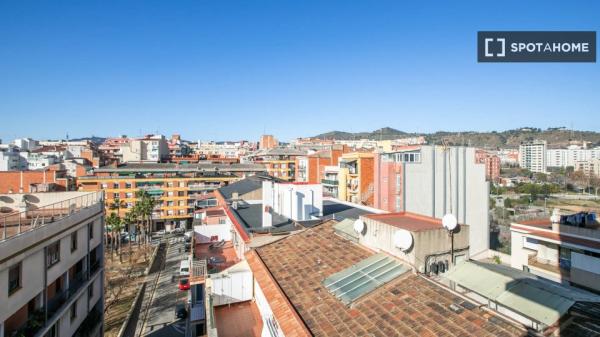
{"x":292,"y":270}
{"x":290,"y":323}
{"x":406,"y":220}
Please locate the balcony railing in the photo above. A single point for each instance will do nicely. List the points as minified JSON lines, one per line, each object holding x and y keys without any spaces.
{"x":16,"y":223}
{"x":329,"y":182}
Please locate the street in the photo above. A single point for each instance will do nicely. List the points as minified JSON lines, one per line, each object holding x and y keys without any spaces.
{"x":160,"y":318}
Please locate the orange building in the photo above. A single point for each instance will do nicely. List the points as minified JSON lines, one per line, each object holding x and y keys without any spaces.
{"x":268,"y":142}
{"x":358,"y":167}
{"x":51,"y":179}
{"x":311,"y":168}
{"x":492,"y":164}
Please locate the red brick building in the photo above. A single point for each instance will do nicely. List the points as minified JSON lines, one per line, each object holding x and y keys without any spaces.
{"x":51,"y":179}
{"x":492,"y":164}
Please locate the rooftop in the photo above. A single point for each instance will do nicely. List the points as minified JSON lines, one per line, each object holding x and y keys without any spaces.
{"x":409,"y":221}
{"x":409,"y":305}
{"x":241,"y":187}
{"x":173,"y":167}
{"x":239,"y":319}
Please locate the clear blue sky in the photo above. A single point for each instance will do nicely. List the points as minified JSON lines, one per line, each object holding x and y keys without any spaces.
{"x":231,"y":69}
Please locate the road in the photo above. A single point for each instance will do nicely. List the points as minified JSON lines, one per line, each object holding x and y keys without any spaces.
{"x":160,"y":318}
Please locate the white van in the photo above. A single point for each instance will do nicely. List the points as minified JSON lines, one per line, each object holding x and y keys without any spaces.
{"x":184,"y":268}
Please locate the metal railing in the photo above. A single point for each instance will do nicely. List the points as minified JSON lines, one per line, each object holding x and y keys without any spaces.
{"x":329,"y":182}
{"x":15,"y":223}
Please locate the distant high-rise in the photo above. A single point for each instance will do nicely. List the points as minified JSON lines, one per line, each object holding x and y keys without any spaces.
{"x":268,"y":142}
{"x":532,"y":156}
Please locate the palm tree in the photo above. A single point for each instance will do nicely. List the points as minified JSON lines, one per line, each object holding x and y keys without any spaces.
{"x":117,"y":204}
{"x":117,"y":227}
{"x":112,"y":222}
{"x":129,"y":219}
{"x":143,"y":208}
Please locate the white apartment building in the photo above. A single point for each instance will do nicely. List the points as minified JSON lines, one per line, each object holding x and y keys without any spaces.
{"x":10,"y":160}
{"x":532,"y":156}
{"x":150,"y":149}
{"x":51,"y":264}
{"x":570,"y":156}
{"x":296,"y":201}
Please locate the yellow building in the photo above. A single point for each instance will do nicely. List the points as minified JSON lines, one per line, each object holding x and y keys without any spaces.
{"x":177,"y":189}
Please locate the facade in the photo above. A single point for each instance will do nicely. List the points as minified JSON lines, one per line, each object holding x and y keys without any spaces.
{"x":334,"y":182}
{"x":431,"y":248}
{"x":562,"y":252}
{"x":150,"y":149}
{"x":589,"y":167}
{"x":357,"y":168}
{"x":280,"y":162}
{"x":491,"y":162}
{"x":311,"y":168}
{"x":51,"y":179}
{"x":532,"y":156}
{"x":268,"y":142}
{"x":571,"y":156}
{"x":433,"y":181}
{"x":51,"y":265}
{"x":296,"y":201}
{"x":177,"y":188}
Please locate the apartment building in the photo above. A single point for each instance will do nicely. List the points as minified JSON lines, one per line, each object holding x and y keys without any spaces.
{"x":589,"y":167}
{"x":356,"y":168}
{"x":51,"y":264}
{"x":334,"y":182}
{"x":311,"y":168}
{"x":53,"y":178}
{"x":176,"y":187}
{"x":564,"y":249}
{"x":280,"y":162}
{"x":433,"y":181}
{"x":532,"y":156}
{"x":149,"y":149}
{"x":491,"y":162}
{"x":571,"y":156}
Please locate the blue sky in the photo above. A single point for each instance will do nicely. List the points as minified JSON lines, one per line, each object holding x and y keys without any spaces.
{"x":233,"y":69}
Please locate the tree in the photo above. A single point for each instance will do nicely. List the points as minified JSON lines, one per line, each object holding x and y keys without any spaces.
{"x":113,"y":221}
{"x":144,"y":208}
{"x":130,"y":218}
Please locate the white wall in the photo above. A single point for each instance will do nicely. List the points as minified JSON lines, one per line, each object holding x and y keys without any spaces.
{"x":204,"y":232}
{"x":296,"y":201}
{"x":228,"y":288}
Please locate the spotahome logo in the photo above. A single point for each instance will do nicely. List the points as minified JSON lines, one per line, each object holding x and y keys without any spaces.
{"x":536,"y":46}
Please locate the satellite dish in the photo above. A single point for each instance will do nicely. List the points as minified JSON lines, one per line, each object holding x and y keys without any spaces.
{"x":359,"y":226}
{"x":403,"y":239}
{"x":449,"y":222}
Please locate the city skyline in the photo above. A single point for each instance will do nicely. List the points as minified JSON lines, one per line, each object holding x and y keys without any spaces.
{"x":236,"y":70}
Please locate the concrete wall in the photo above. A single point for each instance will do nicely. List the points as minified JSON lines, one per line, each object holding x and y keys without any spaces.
{"x":450,"y":182}
{"x":379,"y":236}
{"x":295,"y":201}
{"x":585,"y":270}
{"x":204,"y":232}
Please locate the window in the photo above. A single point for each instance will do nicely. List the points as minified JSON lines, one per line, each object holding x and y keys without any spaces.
{"x":91,"y":291}
{"x":53,"y":254}
{"x":128,"y":195}
{"x":127,"y":185}
{"x":103,"y":186}
{"x":398,"y":182}
{"x":73,"y":311}
{"x":115,"y":185}
{"x":91,"y":230}
{"x":73,"y":241}
{"x":14,"y":278}
{"x":398,"y":203}
{"x":115,"y":195}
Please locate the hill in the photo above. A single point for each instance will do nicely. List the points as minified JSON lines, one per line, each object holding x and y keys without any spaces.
{"x":556,"y":137}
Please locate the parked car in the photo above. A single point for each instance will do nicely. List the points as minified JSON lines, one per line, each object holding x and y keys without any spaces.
{"x":184,"y":284}
{"x":188,"y":247}
{"x":184,"y":268}
{"x":180,"y":311}
{"x":178,"y":230}
{"x":188,"y":236}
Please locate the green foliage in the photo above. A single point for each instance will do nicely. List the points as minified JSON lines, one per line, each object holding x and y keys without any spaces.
{"x":508,"y":203}
{"x":497,"y":259}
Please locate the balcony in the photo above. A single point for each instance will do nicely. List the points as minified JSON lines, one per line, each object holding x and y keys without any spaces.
{"x":329,"y":182}
{"x":202,"y":187}
{"x":556,"y":270}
